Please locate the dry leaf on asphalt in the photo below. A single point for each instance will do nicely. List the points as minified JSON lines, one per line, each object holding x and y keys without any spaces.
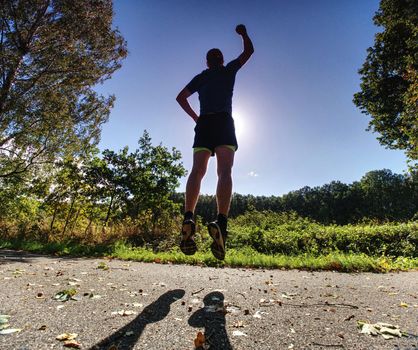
{"x":238,"y":324}
{"x":9,"y":331}
{"x":258,"y":314}
{"x":124,"y":313}
{"x":66,"y":336}
{"x":238,"y":334}
{"x":4,"y":319}
{"x":386,"y":330}
{"x":72,"y":344}
{"x":200,"y":342}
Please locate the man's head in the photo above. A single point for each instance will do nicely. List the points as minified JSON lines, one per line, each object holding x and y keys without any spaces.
{"x":214,"y":58}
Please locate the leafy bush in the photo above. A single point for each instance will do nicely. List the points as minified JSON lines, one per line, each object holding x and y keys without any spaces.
{"x":287,"y":233}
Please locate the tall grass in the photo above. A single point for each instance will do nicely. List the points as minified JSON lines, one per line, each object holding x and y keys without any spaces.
{"x":256,"y":239}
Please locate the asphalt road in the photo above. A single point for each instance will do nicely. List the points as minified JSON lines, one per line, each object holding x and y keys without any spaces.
{"x":132,"y":305}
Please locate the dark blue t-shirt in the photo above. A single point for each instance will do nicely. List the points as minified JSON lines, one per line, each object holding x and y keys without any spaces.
{"x":215,"y":87}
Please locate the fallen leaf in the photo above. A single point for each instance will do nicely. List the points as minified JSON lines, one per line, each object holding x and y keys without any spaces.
{"x":124,"y":313}
{"x":9,"y":331}
{"x":238,"y":334}
{"x":103,"y":266}
{"x":238,"y":324}
{"x":18,"y":272}
{"x":75,"y":279}
{"x":4,"y":319}
{"x":66,"y":336}
{"x":72,"y":344}
{"x":287,"y":296}
{"x":232,"y":309}
{"x":258,"y":314}
{"x":65,"y":295}
{"x":386,"y":330}
{"x":199,"y":340}
{"x":402,"y":304}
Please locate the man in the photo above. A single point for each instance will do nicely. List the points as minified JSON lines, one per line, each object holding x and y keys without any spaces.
{"x":214,"y":135}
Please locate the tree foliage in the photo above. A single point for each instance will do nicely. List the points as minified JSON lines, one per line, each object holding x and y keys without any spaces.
{"x":389,"y":87}
{"x":125,"y":193}
{"x":380,"y":195}
{"x":52,"y":54}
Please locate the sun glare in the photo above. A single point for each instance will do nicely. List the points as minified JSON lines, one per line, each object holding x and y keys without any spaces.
{"x":241,"y":125}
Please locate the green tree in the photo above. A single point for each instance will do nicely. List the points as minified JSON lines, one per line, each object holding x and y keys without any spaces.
{"x":388,"y":196}
{"x":389,"y":87}
{"x":130,"y":183}
{"x":52,"y":54}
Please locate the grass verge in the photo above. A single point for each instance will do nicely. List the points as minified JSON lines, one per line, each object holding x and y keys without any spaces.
{"x":245,"y":257}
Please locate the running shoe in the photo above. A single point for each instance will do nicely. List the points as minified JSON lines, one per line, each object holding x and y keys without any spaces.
{"x":187,"y":243}
{"x":218,"y":234}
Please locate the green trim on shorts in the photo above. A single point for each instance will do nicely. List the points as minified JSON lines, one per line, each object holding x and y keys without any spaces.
{"x":198,"y":149}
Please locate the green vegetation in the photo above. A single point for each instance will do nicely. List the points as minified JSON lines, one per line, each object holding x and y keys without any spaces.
{"x":269,"y":240}
{"x":52,"y":55}
{"x":389,"y":88}
{"x":379,"y":196}
{"x":60,"y":195}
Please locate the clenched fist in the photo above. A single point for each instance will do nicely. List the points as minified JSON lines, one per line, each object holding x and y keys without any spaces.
{"x":240,"y":29}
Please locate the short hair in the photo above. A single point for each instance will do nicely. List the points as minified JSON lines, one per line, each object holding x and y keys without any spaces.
{"x":214,"y":58}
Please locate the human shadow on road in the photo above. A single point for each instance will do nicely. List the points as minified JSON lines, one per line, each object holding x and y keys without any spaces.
{"x":212,"y":318}
{"x":126,"y":337}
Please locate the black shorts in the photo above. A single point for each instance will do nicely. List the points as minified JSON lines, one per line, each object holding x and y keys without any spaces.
{"x":213,"y":130}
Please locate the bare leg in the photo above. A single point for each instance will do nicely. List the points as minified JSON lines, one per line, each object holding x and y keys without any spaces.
{"x":200,"y":164}
{"x":225,"y":159}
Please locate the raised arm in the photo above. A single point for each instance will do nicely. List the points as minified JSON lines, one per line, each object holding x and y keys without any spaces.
{"x":248,"y":45}
{"x":182,"y":101}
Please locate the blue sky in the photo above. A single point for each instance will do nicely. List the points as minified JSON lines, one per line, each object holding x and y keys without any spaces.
{"x":296,"y":123}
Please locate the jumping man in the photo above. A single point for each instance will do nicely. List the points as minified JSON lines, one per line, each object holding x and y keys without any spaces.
{"x":214,"y":135}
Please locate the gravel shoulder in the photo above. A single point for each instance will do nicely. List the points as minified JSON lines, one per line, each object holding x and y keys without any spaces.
{"x":135,"y":305}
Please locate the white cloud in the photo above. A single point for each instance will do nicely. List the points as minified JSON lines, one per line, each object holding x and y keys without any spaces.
{"x":252,"y":174}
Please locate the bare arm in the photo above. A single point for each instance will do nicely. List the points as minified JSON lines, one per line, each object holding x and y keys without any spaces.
{"x":182,"y":101}
{"x":248,"y":45}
